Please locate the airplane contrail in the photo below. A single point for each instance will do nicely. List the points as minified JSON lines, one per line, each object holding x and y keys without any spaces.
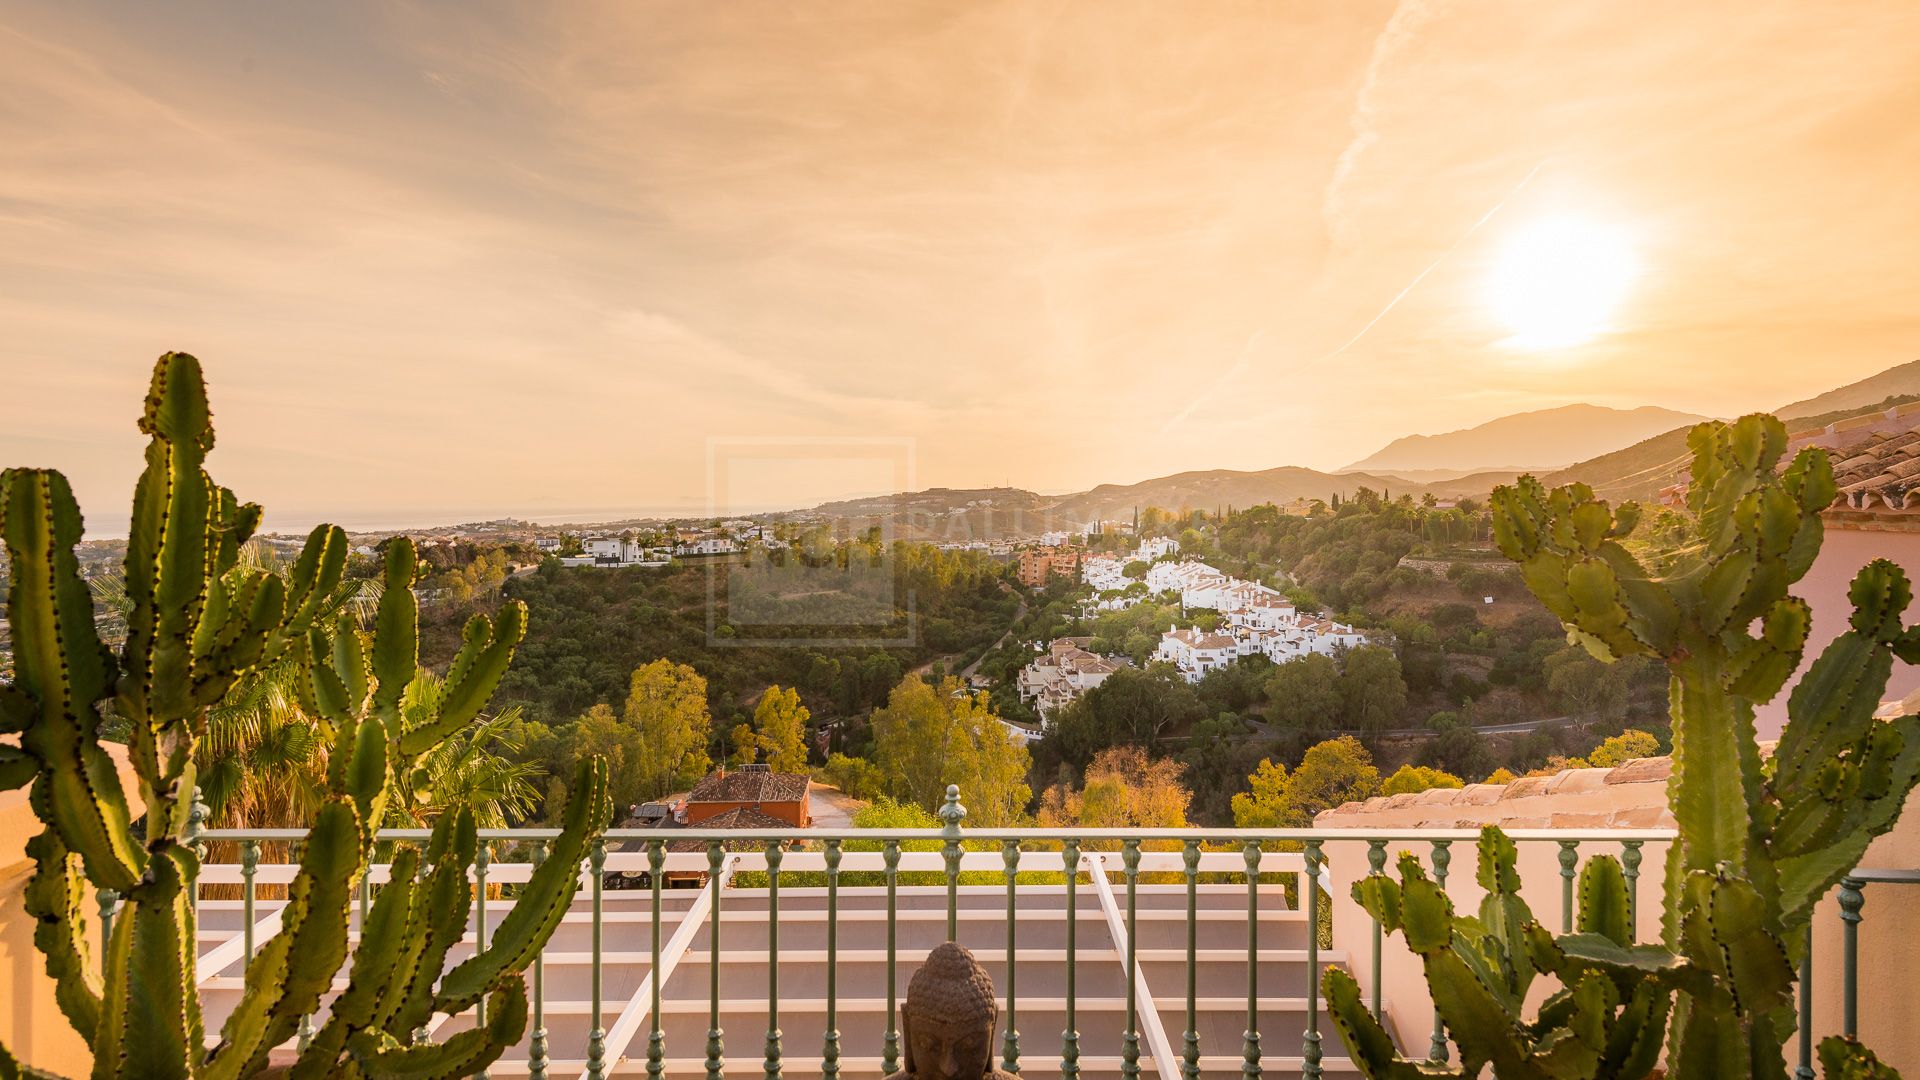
{"x":1435,"y":264}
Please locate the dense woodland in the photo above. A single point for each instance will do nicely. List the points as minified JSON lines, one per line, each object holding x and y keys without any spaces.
{"x":837,"y":657}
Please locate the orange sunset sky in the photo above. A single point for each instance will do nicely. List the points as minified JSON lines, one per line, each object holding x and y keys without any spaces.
{"x":460,"y":260}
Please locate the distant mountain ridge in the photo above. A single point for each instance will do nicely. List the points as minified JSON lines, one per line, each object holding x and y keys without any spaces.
{"x":1541,"y":439}
{"x":1641,"y":470}
{"x":1623,"y":453}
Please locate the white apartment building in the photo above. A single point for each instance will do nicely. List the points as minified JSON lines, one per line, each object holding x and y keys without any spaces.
{"x":1196,"y":652}
{"x":707,"y":545}
{"x":1155,"y":547}
{"x":1103,"y":573}
{"x":1064,"y":672}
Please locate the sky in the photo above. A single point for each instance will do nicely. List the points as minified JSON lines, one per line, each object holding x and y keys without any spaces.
{"x":445,"y":262}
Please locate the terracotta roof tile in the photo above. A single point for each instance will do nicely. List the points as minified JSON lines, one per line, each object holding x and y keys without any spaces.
{"x":750,"y":787}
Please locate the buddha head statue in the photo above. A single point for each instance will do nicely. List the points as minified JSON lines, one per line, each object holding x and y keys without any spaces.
{"x":948,"y":1018}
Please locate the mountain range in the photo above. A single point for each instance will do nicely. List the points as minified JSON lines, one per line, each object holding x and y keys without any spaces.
{"x":1621,"y":453}
{"x":1528,"y":441}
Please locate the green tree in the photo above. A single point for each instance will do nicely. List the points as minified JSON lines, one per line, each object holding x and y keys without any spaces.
{"x":745,"y":746}
{"x":1132,"y":707}
{"x":854,"y":776}
{"x":1333,"y":772}
{"x":1304,"y":695}
{"x":1124,"y":789}
{"x":780,"y":722}
{"x":1372,"y":691}
{"x":667,"y":708}
{"x":1622,"y":748}
{"x":928,"y":736}
{"x":1411,"y":778}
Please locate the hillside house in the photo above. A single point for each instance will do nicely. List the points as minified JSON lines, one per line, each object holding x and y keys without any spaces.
{"x":782,"y":796}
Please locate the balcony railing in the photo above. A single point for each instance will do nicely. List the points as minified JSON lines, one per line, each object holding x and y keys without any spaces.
{"x":1171,"y":951}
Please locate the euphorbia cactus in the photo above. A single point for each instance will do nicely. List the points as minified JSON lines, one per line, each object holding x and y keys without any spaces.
{"x":198,"y":622}
{"x":1601,"y":1024}
{"x":1766,"y":836}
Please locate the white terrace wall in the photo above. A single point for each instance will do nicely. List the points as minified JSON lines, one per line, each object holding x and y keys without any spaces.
{"x":1630,"y":796}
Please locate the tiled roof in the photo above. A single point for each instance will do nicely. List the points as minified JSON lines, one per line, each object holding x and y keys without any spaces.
{"x":740,"y":817}
{"x":750,"y":787}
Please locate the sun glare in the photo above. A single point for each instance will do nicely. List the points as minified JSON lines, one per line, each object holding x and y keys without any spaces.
{"x":1558,"y":282}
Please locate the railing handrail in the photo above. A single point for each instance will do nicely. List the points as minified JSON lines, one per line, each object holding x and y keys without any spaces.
{"x":1019,"y":834}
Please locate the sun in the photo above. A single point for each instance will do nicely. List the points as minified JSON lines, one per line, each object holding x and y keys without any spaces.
{"x":1558,"y":281}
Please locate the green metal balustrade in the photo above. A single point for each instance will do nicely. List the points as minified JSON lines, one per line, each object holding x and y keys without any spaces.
{"x":864,"y":885}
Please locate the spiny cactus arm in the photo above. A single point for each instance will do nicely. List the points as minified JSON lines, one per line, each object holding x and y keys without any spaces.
{"x":1804,"y":879}
{"x":1368,"y":1044}
{"x":150,"y":1022}
{"x":1844,"y":1058}
{"x":1639,"y":1033}
{"x":1833,"y":704}
{"x":350,"y":659}
{"x":168,"y":553}
{"x":542,"y":903}
{"x":396,"y":635}
{"x":321,"y":689}
{"x":248,"y":612}
{"x":60,"y":665}
{"x":1760,"y":666}
{"x":475,"y":673}
{"x":55,"y":897}
{"x":1605,"y":905}
{"x":1573,"y":1050}
{"x":286,"y":979}
{"x":1504,"y":914}
{"x":466,"y":1054}
{"x":377,"y":961}
{"x":440,"y":917}
{"x":1482,"y":1025}
{"x":17,"y":710}
{"x":1725,"y":929}
{"x":315,"y":575}
{"x":365,"y":774}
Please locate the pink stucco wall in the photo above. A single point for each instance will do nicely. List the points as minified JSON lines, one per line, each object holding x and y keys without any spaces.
{"x":1825,"y":588}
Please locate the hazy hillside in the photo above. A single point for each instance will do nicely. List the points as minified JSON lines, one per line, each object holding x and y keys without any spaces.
{"x":938,"y":514}
{"x":1546,"y":438}
{"x":1641,"y":470}
{"x":1227,"y":487}
{"x":1902,"y":381}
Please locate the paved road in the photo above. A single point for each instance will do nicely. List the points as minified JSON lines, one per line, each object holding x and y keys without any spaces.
{"x":1518,"y":728}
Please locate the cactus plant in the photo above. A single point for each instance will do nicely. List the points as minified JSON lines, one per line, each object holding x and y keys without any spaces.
{"x":1606,"y":1021}
{"x":198,"y":621}
{"x":1760,"y":837}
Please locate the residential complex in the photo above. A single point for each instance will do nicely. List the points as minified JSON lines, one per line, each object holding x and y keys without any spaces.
{"x":1065,"y":671}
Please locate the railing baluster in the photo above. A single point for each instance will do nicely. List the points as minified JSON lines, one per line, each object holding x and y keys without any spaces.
{"x":1130,"y":1044}
{"x":656,"y":1037}
{"x":1630,"y":869}
{"x":951,"y":815}
{"x":1376,"y":864}
{"x":716,"y":1063}
{"x":1852,"y":899}
{"x":1070,"y":1036}
{"x":1569,"y":860}
{"x":775,"y":852}
{"x":597,"y":1035}
{"x":1805,"y":1023}
{"x":197,"y":813}
{"x":890,"y":1044}
{"x":1010,"y":1044}
{"x":830,"y":1053}
{"x":538,"y":1060}
{"x":107,"y":899}
{"x":1437,"y":1047}
{"x":1190,"y":1054}
{"x":480,"y":860}
{"x":249,"y":866}
{"x":1310,"y":1047}
{"x":1250,"y":1050}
